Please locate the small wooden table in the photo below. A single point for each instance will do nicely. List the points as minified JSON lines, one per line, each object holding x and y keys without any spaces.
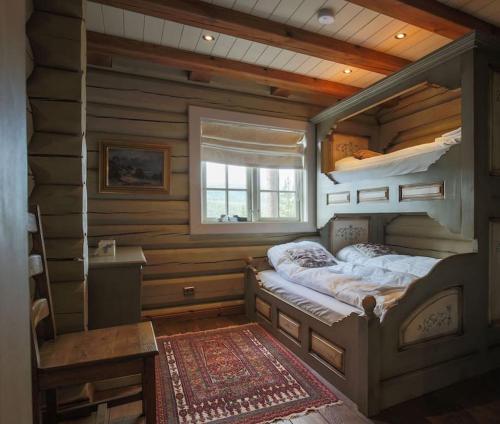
{"x":114,"y":288}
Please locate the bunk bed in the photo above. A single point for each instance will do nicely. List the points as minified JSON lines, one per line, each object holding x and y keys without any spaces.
{"x":436,"y":329}
{"x":400,"y":162}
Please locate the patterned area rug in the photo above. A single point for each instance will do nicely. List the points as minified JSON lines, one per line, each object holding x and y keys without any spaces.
{"x":233,"y":375}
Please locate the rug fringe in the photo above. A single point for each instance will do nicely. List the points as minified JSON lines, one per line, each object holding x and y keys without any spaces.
{"x":304,"y":412}
{"x":250,"y":324}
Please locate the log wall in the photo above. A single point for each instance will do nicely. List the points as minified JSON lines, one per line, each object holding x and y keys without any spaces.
{"x":56,"y":68}
{"x":148,"y":110}
{"x":419,"y":118}
{"x":410,"y":120}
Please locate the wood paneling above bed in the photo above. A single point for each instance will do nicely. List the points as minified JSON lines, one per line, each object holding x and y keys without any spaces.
{"x":408,"y":120}
{"x":422,"y":236}
{"x":148,"y":110}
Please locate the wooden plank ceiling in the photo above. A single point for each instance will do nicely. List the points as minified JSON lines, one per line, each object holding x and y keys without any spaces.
{"x":353,"y":24}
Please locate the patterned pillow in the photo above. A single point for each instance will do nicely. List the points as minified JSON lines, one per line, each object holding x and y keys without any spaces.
{"x":311,"y":257}
{"x":372,"y":250}
{"x":360,"y":252}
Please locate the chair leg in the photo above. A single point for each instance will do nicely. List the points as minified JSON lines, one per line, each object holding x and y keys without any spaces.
{"x":51,"y":398}
{"x":37,"y":415}
{"x":149,"y":390}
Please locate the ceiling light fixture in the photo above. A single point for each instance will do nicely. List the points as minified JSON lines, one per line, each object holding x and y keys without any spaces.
{"x":400,"y":35}
{"x":325,"y":16}
{"x":208,"y":37}
{"x":347,"y":71}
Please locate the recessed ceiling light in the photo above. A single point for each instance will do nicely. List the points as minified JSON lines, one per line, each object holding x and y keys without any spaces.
{"x":347,"y":71}
{"x":325,"y":16}
{"x":208,"y":37}
{"x":400,"y":35}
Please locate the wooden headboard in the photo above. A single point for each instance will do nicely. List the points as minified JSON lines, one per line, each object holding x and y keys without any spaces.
{"x":347,"y":231}
{"x":421,"y":235}
{"x":336,"y":146}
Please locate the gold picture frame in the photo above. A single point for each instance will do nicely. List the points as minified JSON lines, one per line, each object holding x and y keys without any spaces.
{"x":130,"y":167}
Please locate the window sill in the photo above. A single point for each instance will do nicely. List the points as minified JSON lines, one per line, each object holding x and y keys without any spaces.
{"x":252,"y":227}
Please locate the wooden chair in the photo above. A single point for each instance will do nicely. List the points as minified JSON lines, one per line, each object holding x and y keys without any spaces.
{"x":85,"y":356}
{"x":101,"y":416}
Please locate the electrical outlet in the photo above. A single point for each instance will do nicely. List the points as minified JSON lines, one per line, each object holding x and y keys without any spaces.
{"x":188,"y":291}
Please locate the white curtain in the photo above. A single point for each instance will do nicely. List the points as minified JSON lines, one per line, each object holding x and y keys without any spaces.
{"x":251,"y":145}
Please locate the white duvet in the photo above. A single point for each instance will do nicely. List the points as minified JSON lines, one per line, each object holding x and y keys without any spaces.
{"x":384,"y":277}
{"x":405,"y":161}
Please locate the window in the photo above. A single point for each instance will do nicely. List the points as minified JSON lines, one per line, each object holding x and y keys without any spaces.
{"x":249,"y":174}
{"x":226,"y":192}
{"x":249,"y":194}
{"x":279,"y":194}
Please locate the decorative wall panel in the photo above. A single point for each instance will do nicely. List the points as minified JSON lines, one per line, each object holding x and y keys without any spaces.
{"x":336,"y":198}
{"x":421,"y":191}
{"x":373,"y":195}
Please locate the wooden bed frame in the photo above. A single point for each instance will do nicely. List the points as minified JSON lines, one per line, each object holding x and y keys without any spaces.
{"x":378,"y":364}
{"x":415,"y":349}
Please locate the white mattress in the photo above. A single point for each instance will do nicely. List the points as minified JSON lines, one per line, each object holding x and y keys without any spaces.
{"x":406,"y":161}
{"x":327,"y":308}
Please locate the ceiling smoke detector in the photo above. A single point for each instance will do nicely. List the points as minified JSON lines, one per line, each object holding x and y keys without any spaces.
{"x":325,"y":16}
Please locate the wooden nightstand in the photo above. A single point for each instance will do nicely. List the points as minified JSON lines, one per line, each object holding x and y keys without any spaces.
{"x":114,"y":288}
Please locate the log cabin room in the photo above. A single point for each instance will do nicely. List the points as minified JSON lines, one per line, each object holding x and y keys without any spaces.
{"x":250,"y":211}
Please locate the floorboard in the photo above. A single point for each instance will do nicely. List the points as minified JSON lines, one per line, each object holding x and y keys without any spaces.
{"x":474,"y":401}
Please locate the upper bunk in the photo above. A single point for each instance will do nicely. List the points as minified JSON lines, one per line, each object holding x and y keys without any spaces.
{"x":413,"y":135}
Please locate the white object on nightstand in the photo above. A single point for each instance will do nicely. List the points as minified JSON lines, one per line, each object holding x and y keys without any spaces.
{"x":106,"y":248}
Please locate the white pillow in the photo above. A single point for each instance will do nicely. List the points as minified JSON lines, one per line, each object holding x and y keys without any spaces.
{"x":346,"y":163}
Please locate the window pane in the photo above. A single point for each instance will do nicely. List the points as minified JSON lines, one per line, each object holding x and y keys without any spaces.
{"x":216,"y":175}
{"x":237,"y":203}
{"x":237,"y":176}
{"x":287,"y":179}
{"x":215,"y":203}
{"x":288,"y":205}
{"x":269,"y":204}
{"x":268,"y":179}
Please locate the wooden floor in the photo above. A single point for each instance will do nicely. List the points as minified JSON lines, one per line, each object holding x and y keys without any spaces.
{"x":475,"y":401}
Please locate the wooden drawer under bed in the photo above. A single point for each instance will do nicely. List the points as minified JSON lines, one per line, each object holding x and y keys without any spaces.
{"x":263,"y":308}
{"x":327,"y":351}
{"x":289,"y":326}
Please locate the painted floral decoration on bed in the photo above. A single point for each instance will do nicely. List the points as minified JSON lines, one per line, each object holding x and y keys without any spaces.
{"x":311,"y":257}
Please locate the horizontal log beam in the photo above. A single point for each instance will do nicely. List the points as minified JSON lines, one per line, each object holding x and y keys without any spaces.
{"x":167,"y":56}
{"x":430,"y":15}
{"x":199,"y":77}
{"x":254,"y":28}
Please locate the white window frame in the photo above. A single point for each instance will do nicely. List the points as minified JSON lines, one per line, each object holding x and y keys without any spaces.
{"x":308,"y":207}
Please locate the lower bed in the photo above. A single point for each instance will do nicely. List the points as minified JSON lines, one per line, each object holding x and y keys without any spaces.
{"x":324,"y":307}
{"x":425,"y":341}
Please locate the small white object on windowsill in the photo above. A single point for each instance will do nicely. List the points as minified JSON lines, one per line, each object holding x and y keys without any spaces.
{"x":106,"y":248}
{"x":234,"y":218}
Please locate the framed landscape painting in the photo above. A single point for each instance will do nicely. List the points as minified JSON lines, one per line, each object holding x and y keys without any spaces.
{"x":134,"y":168}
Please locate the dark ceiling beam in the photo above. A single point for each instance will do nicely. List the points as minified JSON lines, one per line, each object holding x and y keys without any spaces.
{"x":430,"y":15}
{"x":279,"y":92}
{"x":199,"y":76}
{"x":238,"y":24}
{"x":101,"y":45}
